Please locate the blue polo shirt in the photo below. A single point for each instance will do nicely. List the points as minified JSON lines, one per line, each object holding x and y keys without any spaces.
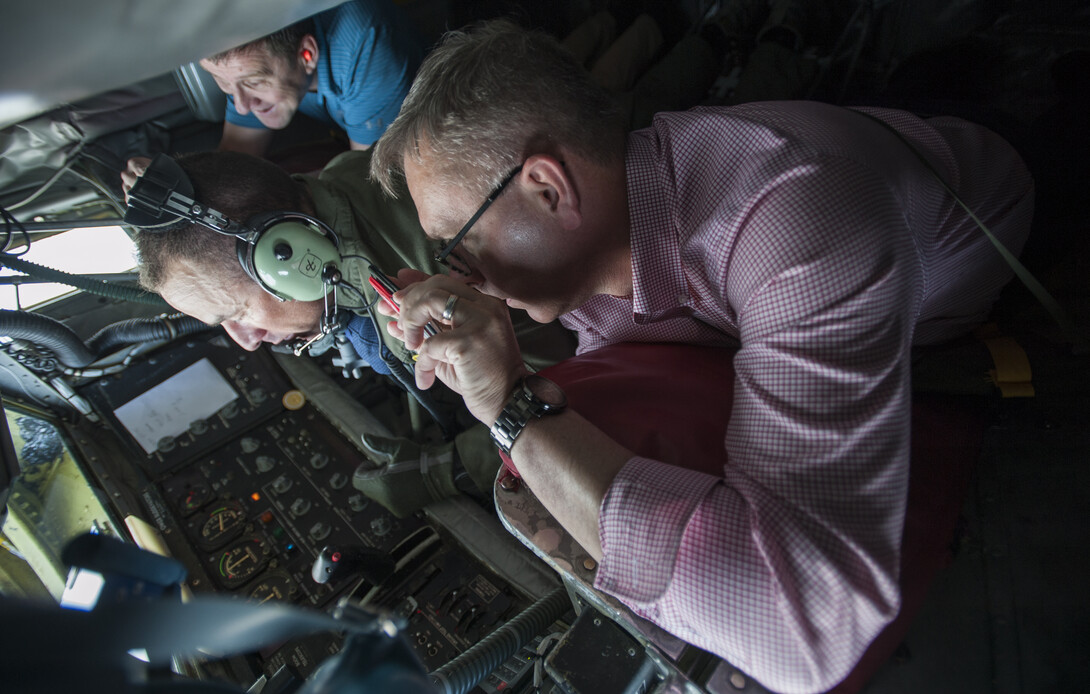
{"x":368,"y":54}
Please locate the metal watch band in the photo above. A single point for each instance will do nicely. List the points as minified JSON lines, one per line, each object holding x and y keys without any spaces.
{"x":520,"y":409}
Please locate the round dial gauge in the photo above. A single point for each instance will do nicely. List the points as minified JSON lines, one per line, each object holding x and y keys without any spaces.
{"x":241,"y":561}
{"x":193,"y":497}
{"x":276,"y":586}
{"x":222,"y":524}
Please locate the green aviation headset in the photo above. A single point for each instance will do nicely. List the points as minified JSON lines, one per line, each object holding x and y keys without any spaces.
{"x":291,"y":255}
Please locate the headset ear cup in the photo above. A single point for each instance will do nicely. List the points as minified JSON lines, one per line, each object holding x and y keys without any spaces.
{"x":288,"y":253}
{"x":245,"y":251}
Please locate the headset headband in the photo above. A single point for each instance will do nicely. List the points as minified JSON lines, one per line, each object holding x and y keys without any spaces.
{"x":163,"y":195}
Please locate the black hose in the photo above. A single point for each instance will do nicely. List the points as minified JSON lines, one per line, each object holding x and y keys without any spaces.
{"x":470,"y":668}
{"x":47,"y":332}
{"x":402,"y":375}
{"x":87,"y":284}
{"x":164,"y":327}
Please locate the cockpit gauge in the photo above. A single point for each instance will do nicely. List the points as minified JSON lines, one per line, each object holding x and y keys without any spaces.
{"x":241,"y":562}
{"x":276,"y":586}
{"x":223,"y":523}
{"x":193,"y":497}
{"x":265,"y":463}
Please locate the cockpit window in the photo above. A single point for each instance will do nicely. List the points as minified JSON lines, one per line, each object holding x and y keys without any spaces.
{"x":87,"y":251}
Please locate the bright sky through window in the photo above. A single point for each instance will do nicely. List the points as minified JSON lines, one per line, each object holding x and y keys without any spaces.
{"x":79,"y":251}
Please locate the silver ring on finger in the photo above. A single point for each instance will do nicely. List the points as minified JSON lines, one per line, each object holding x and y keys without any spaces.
{"x":448,"y":309}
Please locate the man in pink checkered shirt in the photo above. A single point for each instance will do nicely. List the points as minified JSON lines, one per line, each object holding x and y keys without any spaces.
{"x":810,"y":238}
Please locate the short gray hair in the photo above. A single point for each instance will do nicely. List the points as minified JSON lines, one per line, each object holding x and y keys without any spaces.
{"x":487,"y":98}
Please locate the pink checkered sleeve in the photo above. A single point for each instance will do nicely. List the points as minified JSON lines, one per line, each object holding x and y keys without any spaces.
{"x":787,"y":565}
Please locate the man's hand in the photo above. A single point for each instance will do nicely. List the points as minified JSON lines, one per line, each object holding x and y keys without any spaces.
{"x":475,"y":352}
{"x":134,"y":169}
{"x":567,"y":461}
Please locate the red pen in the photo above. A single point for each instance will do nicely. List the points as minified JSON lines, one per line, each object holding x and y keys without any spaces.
{"x":385,"y":288}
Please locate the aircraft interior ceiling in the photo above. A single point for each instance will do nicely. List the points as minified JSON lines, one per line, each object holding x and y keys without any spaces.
{"x":128,"y":421}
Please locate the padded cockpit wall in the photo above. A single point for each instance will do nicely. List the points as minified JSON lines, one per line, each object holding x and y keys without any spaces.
{"x":59,"y":51}
{"x":88,"y":85}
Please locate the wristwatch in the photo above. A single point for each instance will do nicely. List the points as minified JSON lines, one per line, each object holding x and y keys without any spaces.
{"x":534,"y":396}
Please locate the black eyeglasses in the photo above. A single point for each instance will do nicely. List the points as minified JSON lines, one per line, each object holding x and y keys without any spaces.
{"x":445,"y":251}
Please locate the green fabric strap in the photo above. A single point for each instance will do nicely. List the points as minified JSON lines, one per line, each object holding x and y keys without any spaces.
{"x":1042,"y":295}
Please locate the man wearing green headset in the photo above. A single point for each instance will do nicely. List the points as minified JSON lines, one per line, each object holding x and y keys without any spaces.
{"x":197,"y":271}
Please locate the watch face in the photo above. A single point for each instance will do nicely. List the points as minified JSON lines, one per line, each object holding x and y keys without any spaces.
{"x":546,"y":391}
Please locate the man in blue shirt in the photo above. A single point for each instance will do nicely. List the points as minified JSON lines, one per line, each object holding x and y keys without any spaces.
{"x":349,"y":66}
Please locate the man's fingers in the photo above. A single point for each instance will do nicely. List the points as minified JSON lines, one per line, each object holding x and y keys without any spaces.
{"x":474,"y":352}
{"x":134,"y":169}
{"x":424,"y":371}
{"x":407,"y":276}
{"x":428,"y":302}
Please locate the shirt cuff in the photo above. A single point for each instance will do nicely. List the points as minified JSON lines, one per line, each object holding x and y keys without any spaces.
{"x":640,"y":524}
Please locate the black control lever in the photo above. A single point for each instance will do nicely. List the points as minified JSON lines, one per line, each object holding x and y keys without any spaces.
{"x":336,"y":563}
